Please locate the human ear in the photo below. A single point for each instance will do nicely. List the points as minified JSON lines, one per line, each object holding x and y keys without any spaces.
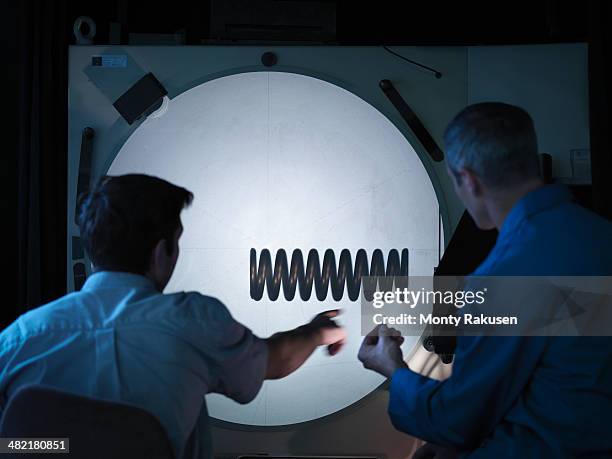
{"x":158,"y":255}
{"x":472,"y":182}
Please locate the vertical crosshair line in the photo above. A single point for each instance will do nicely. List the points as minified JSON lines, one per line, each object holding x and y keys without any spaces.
{"x":267,"y":210}
{"x":268,"y":157}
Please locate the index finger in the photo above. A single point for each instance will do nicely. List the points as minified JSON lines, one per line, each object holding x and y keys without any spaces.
{"x":331,"y":313}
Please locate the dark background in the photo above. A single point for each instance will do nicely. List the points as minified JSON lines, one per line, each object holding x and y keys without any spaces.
{"x":36,"y":35}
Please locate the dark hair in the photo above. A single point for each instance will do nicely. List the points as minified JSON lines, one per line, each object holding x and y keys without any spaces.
{"x":124,"y":217}
{"x":496,"y":141}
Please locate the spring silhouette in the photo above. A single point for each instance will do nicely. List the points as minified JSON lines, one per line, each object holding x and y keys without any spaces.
{"x":293,"y":275}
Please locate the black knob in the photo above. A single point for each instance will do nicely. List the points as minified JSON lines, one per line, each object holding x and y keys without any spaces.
{"x":428,"y":344}
{"x":269,"y":59}
{"x":385,"y":84}
{"x":88,"y":132}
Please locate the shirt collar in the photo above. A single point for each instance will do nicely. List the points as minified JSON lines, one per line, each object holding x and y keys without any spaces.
{"x":533,"y":203}
{"x":117,"y":279}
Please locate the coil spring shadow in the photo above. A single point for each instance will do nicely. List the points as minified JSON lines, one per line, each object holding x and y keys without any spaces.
{"x":294,"y":275}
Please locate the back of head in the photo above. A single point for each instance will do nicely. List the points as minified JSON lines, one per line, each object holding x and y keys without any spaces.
{"x":495,"y":141}
{"x":124,"y":217}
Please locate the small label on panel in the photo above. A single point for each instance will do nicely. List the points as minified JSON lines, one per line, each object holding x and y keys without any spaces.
{"x":109,"y":60}
{"x":580,"y":160}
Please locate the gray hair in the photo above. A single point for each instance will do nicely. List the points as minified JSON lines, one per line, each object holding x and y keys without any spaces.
{"x":496,"y":141}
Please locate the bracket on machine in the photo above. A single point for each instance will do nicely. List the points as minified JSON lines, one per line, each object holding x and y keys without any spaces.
{"x":413,"y":121}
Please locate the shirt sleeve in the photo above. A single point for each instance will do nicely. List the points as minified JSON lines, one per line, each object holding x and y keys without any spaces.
{"x":488,"y":375}
{"x":237,"y":360}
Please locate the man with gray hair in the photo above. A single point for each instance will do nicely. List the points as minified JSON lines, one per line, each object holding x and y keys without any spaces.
{"x":492,"y":156}
{"x":509,"y":396}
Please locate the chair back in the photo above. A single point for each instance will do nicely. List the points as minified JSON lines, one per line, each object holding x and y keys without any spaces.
{"x":95,"y":428}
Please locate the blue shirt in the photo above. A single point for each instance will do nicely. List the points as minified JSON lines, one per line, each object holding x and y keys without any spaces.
{"x":122,"y":340}
{"x":524,"y":397}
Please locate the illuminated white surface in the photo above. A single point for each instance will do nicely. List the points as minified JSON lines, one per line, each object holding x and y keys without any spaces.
{"x":279,"y":160}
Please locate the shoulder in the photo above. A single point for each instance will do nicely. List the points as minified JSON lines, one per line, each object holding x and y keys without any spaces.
{"x":565,"y":240}
{"x":576,"y":239}
{"x":202,"y":319}
{"x":196,"y":306}
{"x":60,"y":314}
{"x":574,"y":218}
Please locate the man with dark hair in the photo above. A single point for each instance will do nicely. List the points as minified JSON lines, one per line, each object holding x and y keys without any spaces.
{"x":125,"y":217}
{"x":511,"y":397}
{"x":120,"y":338}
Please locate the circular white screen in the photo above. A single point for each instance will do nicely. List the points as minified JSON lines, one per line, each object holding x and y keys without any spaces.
{"x":285,"y":161}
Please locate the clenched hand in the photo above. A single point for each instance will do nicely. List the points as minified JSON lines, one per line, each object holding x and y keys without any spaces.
{"x":380,"y":351}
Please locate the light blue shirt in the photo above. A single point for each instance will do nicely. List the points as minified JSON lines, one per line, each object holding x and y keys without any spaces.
{"x":122,"y":340}
{"x":527,"y":397}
